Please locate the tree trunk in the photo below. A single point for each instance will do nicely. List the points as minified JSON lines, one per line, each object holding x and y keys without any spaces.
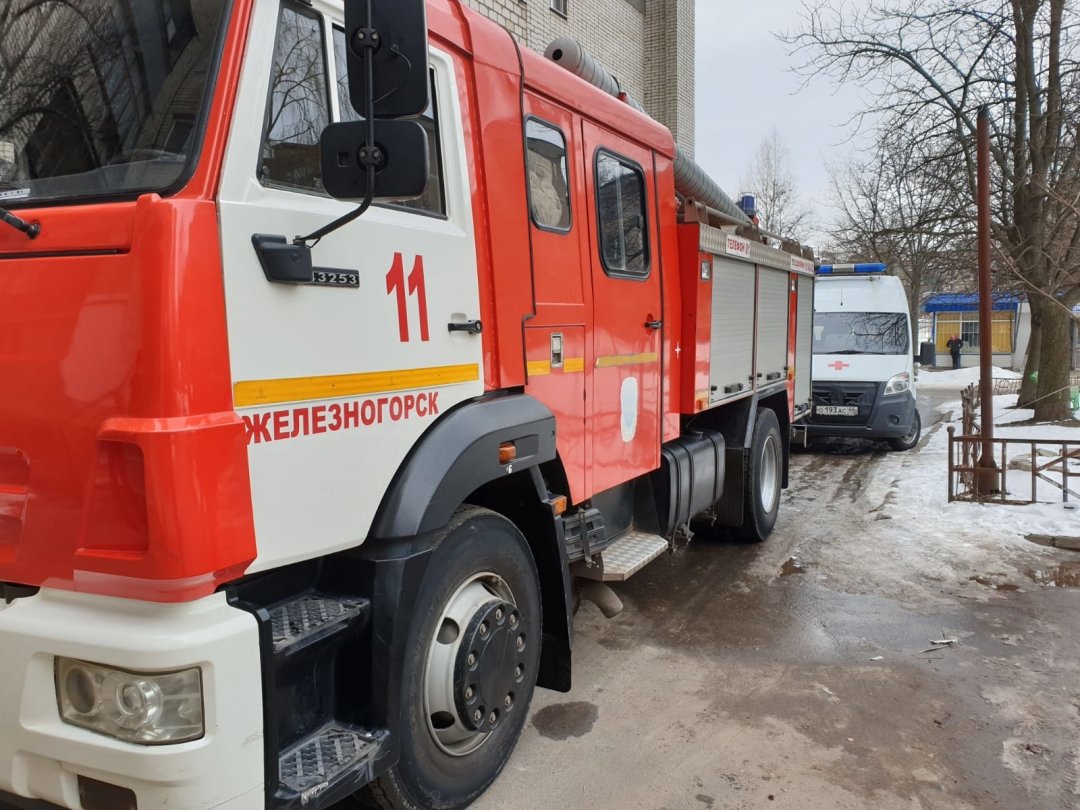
{"x":1029,"y":387}
{"x":1052,"y":404}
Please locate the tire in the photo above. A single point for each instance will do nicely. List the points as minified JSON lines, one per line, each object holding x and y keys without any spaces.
{"x":481,"y":573}
{"x":912,"y":438}
{"x":764,"y":478}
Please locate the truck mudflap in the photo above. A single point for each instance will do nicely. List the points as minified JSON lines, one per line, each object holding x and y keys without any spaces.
{"x":47,"y":762}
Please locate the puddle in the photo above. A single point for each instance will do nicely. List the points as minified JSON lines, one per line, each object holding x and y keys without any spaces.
{"x":1066,"y":575}
{"x":793,"y":566}
{"x":1007,"y":587}
{"x":561,"y":721}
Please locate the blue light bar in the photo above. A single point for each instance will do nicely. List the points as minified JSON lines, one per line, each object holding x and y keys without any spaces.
{"x":842,"y":269}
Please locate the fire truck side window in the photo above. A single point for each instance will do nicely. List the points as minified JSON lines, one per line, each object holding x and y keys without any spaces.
{"x":299,"y":103}
{"x":549,"y":194}
{"x":433,"y":201}
{"x":621,"y":213}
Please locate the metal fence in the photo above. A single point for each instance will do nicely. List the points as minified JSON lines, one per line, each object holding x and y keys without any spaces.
{"x":1055,"y":462}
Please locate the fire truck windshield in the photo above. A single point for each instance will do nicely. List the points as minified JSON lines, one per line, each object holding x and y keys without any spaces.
{"x":102,"y":98}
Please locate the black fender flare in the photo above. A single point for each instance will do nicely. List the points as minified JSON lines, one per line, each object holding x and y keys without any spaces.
{"x":458,"y":455}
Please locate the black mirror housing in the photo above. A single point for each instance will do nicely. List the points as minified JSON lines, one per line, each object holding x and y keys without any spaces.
{"x":401,"y":160}
{"x":283,"y":262}
{"x":396,"y":40}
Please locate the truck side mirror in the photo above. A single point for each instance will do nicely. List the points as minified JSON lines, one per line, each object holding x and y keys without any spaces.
{"x":393,"y":35}
{"x":400,"y":155}
{"x":387,"y":53}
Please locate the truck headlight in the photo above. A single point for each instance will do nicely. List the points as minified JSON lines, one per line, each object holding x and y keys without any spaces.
{"x":150,"y":708}
{"x":898,"y":384}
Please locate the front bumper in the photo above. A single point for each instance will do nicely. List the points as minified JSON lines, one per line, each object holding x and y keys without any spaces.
{"x":42,"y":757}
{"x":879,"y":416}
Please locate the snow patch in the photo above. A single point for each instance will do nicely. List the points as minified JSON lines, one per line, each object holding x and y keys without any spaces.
{"x":961,"y":377}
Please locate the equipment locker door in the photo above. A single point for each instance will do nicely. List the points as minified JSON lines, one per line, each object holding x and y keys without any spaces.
{"x":627,"y":327}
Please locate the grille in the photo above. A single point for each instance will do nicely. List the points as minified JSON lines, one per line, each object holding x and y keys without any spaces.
{"x":845,"y":394}
{"x":861,"y":395}
{"x":319,"y":758}
{"x":297,"y":620}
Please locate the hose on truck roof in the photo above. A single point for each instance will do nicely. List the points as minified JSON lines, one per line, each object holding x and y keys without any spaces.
{"x":691,"y":181}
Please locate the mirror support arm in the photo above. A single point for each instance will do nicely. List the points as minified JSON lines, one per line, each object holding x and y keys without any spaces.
{"x":366,"y":39}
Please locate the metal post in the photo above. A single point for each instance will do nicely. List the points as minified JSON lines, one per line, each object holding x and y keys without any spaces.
{"x":987,"y":477}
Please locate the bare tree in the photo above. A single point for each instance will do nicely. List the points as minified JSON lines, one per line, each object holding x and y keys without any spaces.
{"x":933,"y":64}
{"x":898,"y":208}
{"x":772,"y":183}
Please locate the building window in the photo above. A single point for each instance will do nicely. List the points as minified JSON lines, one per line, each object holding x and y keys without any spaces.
{"x":549,"y":192}
{"x":559,"y":7}
{"x":926,"y":329}
{"x":966,"y":325}
{"x":622,"y":216}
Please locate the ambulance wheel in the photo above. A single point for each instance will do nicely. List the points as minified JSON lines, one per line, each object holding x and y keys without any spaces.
{"x":912,"y":437}
{"x":764,"y":477}
{"x":470,"y":666}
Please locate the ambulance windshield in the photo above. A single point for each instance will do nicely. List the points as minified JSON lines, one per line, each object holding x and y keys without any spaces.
{"x":860,"y":333}
{"x":101,"y":98}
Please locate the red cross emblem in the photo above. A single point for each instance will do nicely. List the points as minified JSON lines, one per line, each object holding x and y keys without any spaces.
{"x":839,"y":365}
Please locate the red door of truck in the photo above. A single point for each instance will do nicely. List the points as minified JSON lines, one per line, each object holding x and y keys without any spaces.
{"x":555,"y":339}
{"x":627,"y":315}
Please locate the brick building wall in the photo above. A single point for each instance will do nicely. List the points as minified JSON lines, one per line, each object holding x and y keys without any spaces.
{"x":647,"y":44}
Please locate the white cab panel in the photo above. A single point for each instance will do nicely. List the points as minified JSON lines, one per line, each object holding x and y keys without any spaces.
{"x":332,"y":364}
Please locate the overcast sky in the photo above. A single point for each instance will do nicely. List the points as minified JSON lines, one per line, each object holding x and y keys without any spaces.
{"x":746,"y":86}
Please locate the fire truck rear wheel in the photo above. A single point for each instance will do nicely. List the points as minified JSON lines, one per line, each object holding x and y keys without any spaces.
{"x":764,"y":477}
{"x":470,"y":666}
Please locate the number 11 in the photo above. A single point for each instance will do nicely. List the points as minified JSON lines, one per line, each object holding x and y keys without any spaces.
{"x":395,"y":282}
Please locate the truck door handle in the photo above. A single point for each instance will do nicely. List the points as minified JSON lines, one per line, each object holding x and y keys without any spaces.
{"x":471,"y":327}
{"x":653,"y":324}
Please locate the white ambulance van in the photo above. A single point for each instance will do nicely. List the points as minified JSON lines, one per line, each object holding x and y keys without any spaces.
{"x":864,"y":369}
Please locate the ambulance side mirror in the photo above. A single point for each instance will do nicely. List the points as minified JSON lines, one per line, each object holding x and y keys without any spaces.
{"x":393,"y":36}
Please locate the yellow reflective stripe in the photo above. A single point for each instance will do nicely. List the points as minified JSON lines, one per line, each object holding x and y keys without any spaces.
{"x":538,"y":368}
{"x":611,"y":360}
{"x":542,"y":368}
{"x":299,"y":389}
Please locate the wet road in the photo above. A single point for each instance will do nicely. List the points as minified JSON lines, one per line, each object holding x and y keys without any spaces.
{"x":799,"y":673}
{"x":793,"y":673}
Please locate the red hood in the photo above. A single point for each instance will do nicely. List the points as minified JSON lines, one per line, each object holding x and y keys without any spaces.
{"x":123,"y":467}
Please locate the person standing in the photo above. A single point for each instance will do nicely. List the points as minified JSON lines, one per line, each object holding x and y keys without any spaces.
{"x":955,"y":344}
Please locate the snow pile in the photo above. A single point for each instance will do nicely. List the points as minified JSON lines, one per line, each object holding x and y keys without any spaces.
{"x":924,"y":548}
{"x":960,"y":378}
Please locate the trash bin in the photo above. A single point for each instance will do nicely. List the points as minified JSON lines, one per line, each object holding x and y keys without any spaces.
{"x":928,"y":353}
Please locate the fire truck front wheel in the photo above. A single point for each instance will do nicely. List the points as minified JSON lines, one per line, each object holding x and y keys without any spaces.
{"x":470,"y":665}
{"x":764,"y":477}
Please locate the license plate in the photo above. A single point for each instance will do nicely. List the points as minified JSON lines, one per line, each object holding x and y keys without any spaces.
{"x":836,"y":410}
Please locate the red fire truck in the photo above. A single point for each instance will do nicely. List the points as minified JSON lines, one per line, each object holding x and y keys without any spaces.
{"x":335,"y":344}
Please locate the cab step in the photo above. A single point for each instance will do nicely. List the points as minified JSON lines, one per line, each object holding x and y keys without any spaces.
{"x":623,"y":558}
{"x":321,"y":764}
{"x":311,"y":617}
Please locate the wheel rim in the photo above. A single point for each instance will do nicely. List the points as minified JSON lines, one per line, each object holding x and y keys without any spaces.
{"x":476,"y":664}
{"x":909,"y":438}
{"x":769,"y":477}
